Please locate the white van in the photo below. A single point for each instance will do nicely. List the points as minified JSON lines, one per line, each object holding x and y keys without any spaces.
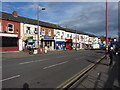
{"x":95,"y":46}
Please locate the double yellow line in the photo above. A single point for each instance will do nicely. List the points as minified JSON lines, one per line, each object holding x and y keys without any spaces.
{"x":77,"y":76}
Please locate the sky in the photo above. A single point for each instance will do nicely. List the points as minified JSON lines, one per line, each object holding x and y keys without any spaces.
{"x":89,"y":17}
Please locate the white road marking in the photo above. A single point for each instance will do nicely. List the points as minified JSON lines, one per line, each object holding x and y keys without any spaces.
{"x":55,"y":65}
{"x":33,"y":61}
{"x":10,"y":78}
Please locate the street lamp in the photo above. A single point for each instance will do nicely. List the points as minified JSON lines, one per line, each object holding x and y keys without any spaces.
{"x":38,"y":11}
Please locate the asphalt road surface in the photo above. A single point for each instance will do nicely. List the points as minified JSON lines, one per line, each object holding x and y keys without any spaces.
{"x":46,"y":71}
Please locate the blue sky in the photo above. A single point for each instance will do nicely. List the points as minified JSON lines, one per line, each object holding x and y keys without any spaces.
{"x":84,"y":16}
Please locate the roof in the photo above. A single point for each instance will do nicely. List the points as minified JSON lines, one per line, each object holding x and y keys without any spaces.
{"x":7,"y":16}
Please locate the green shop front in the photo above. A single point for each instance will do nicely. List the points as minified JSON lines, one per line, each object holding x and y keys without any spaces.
{"x":30,"y":42}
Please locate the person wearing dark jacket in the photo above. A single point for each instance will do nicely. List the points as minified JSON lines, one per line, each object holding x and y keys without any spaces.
{"x":110,"y":52}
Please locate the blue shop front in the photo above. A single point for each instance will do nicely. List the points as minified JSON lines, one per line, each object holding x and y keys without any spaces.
{"x":60,"y":45}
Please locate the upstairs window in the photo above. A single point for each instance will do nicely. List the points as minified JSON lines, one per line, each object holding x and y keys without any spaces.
{"x":36,"y":31}
{"x":28,"y":30}
{"x":10,"y":27}
{"x":68,"y":35}
{"x":58,"y":33}
{"x":71,"y":36}
{"x":0,"y":26}
{"x":43,"y":31}
{"x":62,"y":33}
{"x":49,"y":32}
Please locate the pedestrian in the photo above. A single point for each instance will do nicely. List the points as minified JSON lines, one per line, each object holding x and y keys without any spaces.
{"x":46,"y":49}
{"x":116,"y":49}
{"x":110,"y":52}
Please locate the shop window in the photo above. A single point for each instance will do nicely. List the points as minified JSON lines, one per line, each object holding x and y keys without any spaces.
{"x":49,"y":32}
{"x":9,"y":42}
{"x":43,"y":31}
{"x":10,"y":27}
{"x":28,"y":30}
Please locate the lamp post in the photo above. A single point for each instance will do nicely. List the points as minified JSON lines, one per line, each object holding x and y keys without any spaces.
{"x":106,"y":29}
{"x":38,"y":11}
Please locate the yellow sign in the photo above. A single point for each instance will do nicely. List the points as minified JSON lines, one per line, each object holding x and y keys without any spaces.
{"x":24,"y":38}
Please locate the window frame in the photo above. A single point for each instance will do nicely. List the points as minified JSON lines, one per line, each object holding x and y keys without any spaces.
{"x":49,"y":32}
{"x":43,"y":31}
{"x":12,"y":27}
{"x":35,"y":30}
{"x":27,"y":29}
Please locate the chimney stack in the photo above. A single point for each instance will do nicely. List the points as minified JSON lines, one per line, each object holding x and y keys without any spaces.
{"x":15,"y":14}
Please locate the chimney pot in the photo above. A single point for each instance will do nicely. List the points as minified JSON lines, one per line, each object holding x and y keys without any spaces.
{"x":15,"y":14}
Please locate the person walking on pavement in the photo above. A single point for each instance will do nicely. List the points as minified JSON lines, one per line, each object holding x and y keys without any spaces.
{"x":110,"y":52}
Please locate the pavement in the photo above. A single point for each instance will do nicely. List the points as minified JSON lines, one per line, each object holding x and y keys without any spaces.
{"x":101,"y":76}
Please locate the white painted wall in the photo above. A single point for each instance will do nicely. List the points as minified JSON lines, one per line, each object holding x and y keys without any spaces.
{"x":86,"y":38}
{"x":23,"y":28}
{"x":60,"y":35}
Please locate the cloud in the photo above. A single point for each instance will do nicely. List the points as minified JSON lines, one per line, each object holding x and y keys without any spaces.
{"x":91,"y":18}
{"x":83,"y":16}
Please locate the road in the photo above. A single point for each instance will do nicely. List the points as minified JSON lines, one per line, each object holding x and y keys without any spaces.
{"x":46,"y":71}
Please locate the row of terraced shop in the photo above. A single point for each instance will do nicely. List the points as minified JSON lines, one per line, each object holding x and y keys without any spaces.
{"x":19,"y":33}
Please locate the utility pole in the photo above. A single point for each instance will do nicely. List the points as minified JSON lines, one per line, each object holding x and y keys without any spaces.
{"x":106,"y":29}
{"x":38,"y":12}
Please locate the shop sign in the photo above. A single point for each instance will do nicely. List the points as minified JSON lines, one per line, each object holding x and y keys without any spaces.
{"x":30,"y":39}
{"x":48,"y":38}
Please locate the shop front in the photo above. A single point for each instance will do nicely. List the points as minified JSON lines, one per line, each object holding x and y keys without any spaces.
{"x":30,"y":42}
{"x":60,"y":45}
{"x":49,"y":42}
{"x":68,"y":44}
{"x":9,"y":42}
